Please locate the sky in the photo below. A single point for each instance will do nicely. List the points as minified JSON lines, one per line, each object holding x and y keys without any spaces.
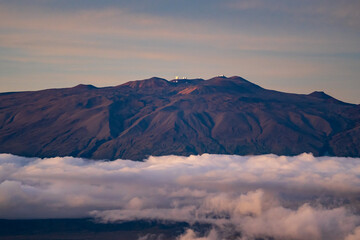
{"x":292,"y":46}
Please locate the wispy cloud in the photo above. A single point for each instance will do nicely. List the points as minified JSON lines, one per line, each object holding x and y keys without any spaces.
{"x":333,"y":12}
{"x":299,"y":197}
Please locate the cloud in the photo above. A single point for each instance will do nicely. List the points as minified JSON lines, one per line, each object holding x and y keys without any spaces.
{"x":300,"y":197}
{"x":355,"y":235}
{"x":117,"y":33}
{"x":344,"y":13}
{"x":306,"y":222}
{"x":191,"y":235}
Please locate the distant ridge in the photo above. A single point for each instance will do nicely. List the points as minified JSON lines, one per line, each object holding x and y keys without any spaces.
{"x":183,"y":116}
{"x":153,"y":82}
{"x":84,"y":86}
{"x":323,"y":95}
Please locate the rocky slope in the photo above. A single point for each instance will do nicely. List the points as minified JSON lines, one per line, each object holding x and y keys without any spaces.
{"x":159,"y":117}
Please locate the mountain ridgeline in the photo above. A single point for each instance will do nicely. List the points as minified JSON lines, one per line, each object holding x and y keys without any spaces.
{"x":182,"y":117}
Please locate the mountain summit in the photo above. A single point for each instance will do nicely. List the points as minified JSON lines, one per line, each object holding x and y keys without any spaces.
{"x":183,"y":116}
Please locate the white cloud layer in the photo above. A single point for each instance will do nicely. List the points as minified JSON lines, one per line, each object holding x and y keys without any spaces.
{"x":243,"y":197}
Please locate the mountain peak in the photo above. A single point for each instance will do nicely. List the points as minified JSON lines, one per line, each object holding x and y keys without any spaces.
{"x":223,"y":115}
{"x":233,"y":83}
{"x":84,"y":87}
{"x":154,"y":82}
{"x":320,"y":94}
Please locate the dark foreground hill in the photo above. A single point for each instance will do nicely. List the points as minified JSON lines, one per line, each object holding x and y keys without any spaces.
{"x":159,"y":117}
{"x":80,"y":229}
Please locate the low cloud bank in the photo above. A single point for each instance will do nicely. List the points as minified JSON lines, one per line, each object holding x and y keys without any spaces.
{"x":243,"y":197}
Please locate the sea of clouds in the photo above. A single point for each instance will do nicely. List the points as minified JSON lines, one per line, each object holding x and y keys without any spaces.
{"x":242,"y":197}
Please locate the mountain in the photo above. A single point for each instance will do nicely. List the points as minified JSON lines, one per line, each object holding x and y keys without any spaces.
{"x":159,"y":117}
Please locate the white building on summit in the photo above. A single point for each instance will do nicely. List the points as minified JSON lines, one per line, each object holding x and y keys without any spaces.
{"x":177,"y":78}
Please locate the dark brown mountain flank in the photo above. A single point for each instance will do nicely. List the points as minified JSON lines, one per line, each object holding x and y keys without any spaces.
{"x":159,"y":117}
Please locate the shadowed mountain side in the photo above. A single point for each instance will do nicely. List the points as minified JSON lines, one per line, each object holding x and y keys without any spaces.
{"x":182,"y":117}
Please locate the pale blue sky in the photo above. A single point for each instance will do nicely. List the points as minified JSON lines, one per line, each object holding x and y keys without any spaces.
{"x":294,"y":46}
